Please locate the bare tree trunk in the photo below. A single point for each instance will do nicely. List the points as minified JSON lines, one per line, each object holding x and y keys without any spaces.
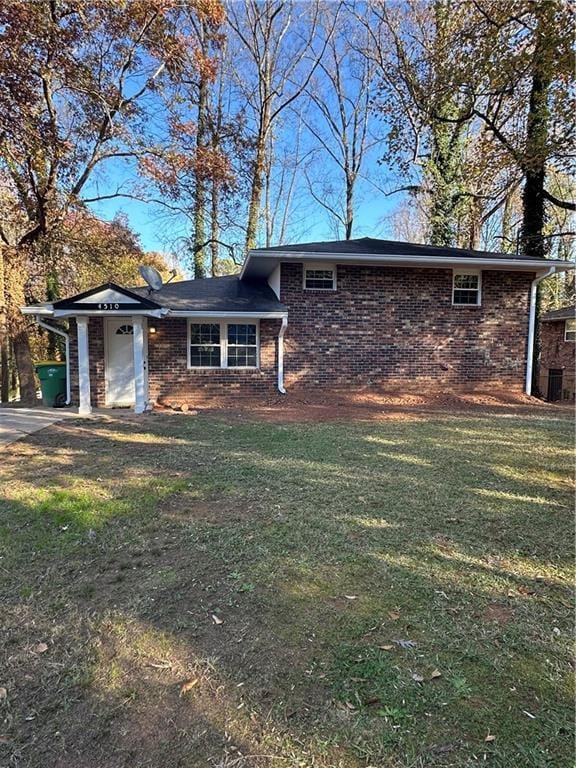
{"x":214,"y":229}
{"x":533,"y":201}
{"x":256,"y":190}
{"x":4,"y":341}
{"x":200,"y":179}
{"x":14,"y":259}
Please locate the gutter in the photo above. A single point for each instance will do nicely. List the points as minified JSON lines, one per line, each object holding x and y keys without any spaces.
{"x":66,"y":338}
{"x":532,"y":328}
{"x":281,"y":333}
{"x":446,"y":262}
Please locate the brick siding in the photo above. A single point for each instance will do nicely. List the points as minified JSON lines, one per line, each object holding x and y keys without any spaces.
{"x":397,"y":326}
{"x":171,"y":380}
{"x":559,"y":354}
{"x":387,"y":326}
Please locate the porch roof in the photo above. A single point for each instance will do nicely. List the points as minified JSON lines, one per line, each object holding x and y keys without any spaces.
{"x":226,"y":294}
{"x":212,"y":297}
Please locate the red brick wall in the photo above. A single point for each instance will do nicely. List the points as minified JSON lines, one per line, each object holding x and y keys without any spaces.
{"x":397,"y":326}
{"x":172,"y":381}
{"x":557,"y":353}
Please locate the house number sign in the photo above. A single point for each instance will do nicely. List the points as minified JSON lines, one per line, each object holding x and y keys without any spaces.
{"x":108,"y":306}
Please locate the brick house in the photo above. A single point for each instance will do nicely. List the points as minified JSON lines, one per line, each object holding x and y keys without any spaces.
{"x":558,"y":354}
{"x":328,"y":314}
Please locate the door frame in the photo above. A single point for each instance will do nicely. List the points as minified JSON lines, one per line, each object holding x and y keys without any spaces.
{"x":108,"y":321}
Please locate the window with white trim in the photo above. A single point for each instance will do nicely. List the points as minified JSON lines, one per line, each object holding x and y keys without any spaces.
{"x":221,"y":344}
{"x":242,"y":351}
{"x":320,"y":277}
{"x":205,"y":346}
{"x":570,"y":330}
{"x":466,"y":288}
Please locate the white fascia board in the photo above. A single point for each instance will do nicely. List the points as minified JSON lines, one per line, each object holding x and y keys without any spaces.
{"x":256,"y":315}
{"x":37,"y":310}
{"x":526,"y":265}
{"x":106,"y":313}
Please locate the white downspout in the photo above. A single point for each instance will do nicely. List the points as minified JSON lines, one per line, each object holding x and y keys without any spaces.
{"x":532,"y":328}
{"x":66,"y":338}
{"x":281,"y":333}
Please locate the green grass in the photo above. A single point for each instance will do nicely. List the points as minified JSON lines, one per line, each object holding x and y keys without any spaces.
{"x":319,"y":547}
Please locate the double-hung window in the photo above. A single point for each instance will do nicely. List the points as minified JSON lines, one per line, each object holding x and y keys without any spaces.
{"x":242,"y":346}
{"x":205,"y":345}
{"x":570,"y":330}
{"x":221,"y":344}
{"x":466,"y":288}
{"x":320,"y":277}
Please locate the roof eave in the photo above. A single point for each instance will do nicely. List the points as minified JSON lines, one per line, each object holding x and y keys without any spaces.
{"x":527,"y":265}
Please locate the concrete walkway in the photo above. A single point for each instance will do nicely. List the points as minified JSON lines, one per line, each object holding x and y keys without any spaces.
{"x":19,"y":422}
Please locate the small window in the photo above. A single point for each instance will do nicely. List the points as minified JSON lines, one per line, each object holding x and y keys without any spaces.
{"x":242,"y":346}
{"x":466,"y":288}
{"x":570,"y":330}
{"x":320,"y":278}
{"x":205,"y":345}
{"x":125,"y":330}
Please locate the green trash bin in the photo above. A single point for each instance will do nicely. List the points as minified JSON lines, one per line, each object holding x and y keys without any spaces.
{"x":52,"y":375}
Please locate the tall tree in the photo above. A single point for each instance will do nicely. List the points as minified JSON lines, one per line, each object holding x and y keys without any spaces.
{"x":341,"y":92}
{"x":280,"y":51}
{"x":75,"y":80}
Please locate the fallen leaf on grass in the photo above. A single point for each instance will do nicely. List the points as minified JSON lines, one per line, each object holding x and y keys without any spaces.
{"x":490,"y":737}
{"x":161,"y":665}
{"x":216,"y":619}
{"x":393,"y":615}
{"x":436,"y":674}
{"x":417,"y":678}
{"x":40,"y":648}
{"x":3,"y":693}
{"x":405,"y":643}
{"x":351,"y":597}
{"x":386,"y":647}
{"x":188,"y":685}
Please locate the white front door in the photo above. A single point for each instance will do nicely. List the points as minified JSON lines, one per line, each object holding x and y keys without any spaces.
{"x":119,"y":361}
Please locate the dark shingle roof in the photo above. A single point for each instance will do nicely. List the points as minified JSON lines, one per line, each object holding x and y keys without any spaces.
{"x":371,"y":246}
{"x":566,"y":313}
{"x":216,"y":294}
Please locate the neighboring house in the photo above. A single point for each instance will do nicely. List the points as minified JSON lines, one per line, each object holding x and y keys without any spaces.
{"x":558,"y":354}
{"x":329,"y":314}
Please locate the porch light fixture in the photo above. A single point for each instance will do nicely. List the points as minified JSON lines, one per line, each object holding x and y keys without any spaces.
{"x":152,"y":329}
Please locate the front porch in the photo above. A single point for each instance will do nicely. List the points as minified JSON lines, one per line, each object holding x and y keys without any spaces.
{"x":127,"y":351}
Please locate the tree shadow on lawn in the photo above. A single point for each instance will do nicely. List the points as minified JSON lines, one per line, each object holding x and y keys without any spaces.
{"x":328,"y":553}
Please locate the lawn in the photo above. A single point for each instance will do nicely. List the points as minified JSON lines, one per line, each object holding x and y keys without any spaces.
{"x":209,"y":591}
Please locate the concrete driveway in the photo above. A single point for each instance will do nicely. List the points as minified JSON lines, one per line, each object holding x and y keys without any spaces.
{"x":19,"y":422}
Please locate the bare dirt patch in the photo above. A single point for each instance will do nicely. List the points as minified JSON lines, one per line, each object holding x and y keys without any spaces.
{"x":499,"y":614}
{"x":370,"y":403}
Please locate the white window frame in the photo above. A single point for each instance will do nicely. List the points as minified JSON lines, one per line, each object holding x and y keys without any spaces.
{"x":309,"y":266}
{"x":572,"y":330}
{"x":223,"y":342}
{"x":478,"y":274}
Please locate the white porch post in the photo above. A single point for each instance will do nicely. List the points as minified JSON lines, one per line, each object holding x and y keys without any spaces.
{"x":83,"y":367}
{"x":139,"y":399}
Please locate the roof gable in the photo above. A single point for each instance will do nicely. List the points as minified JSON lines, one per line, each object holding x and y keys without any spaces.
{"x":107,"y":296}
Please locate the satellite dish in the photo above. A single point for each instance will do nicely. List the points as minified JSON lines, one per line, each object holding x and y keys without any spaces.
{"x":151,"y":276}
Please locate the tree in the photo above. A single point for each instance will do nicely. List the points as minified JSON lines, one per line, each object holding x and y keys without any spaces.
{"x":75,"y":83}
{"x":279,"y":51}
{"x":341,"y":92}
